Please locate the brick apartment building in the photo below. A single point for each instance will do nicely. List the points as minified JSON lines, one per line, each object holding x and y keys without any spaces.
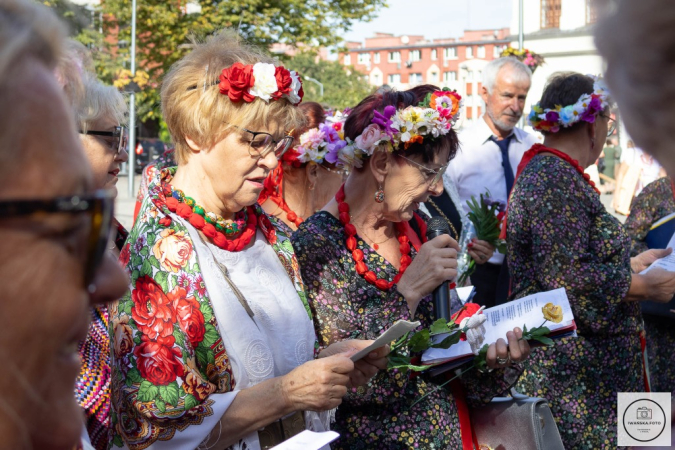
{"x":406,"y":61}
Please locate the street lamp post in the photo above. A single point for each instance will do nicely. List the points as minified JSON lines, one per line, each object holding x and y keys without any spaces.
{"x":132,"y":106}
{"x":317,"y":82}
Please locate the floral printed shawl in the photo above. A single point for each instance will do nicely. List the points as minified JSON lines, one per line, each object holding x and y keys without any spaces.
{"x":168,"y":355}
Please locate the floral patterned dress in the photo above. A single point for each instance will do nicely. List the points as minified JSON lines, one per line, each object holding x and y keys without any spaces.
{"x":172,"y":375}
{"x":654,"y":202}
{"x":560,"y":235}
{"x":379,"y":415}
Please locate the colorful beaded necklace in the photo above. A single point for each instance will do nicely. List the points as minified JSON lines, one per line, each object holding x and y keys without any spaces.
{"x":231,"y":228}
{"x":361,"y":267}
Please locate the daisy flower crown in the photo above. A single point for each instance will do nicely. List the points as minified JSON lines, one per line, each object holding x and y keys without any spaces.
{"x":260,"y":80}
{"x":319,"y":144}
{"x":394,"y":130}
{"x":586,"y":109}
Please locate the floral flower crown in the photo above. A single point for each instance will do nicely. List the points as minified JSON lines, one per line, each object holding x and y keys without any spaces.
{"x":319,"y":144}
{"x":263,"y":80}
{"x":586,"y":109}
{"x":395,"y":129}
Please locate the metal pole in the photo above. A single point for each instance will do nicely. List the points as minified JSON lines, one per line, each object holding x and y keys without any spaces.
{"x":521,"y":34}
{"x":317,"y":82}
{"x":132,"y":106}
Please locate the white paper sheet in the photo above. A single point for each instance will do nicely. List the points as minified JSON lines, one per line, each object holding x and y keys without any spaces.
{"x":308,"y":440}
{"x":464,"y":293}
{"x":398,"y":329}
{"x":503,"y":318}
{"x":667,"y":263}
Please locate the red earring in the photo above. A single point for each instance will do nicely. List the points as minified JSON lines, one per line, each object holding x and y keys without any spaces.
{"x":379,"y":195}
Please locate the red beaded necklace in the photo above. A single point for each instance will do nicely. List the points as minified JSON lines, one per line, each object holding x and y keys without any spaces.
{"x":290,"y":214}
{"x":219,"y":238}
{"x":361,"y":267}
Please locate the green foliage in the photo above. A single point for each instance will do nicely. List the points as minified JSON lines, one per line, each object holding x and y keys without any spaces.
{"x":343,"y":87}
{"x":163,"y":29}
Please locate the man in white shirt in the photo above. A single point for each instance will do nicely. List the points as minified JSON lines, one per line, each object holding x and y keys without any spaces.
{"x":490,"y":151}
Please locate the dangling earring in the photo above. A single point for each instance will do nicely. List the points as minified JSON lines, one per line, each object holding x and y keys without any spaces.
{"x":379,"y":195}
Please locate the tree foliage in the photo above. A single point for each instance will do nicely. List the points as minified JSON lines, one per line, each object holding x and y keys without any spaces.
{"x":343,"y":87}
{"x":164,"y":28}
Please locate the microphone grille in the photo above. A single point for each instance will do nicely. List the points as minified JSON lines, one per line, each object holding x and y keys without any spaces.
{"x":437,"y":224}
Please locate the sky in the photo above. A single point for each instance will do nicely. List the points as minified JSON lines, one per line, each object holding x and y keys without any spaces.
{"x":434,"y":18}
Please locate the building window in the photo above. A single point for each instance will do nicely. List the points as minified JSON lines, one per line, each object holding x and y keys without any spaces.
{"x":468,"y":100}
{"x":469,"y":52}
{"x":376,"y":58}
{"x":450,"y":53}
{"x":364,"y":58}
{"x":348,"y":60}
{"x":591,"y":13}
{"x":415,"y":78}
{"x":434,"y":77}
{"x":449,"y":76}
{"x":496,"y":51}
{"x":395,"y":57}
{"x":481,"y":51}
{"x":434,"y":54}
{"x":376,"y":79}
{"x":469,"y":75}
{"x":550,"y":13}
{"x":395,"y":78}
{"x":415,"y":55}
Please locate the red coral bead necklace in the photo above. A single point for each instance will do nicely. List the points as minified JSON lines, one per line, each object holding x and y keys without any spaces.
{"x":357,"y":254}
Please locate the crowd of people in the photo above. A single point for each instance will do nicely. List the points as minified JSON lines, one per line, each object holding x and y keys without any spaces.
{"x":279,"y":238}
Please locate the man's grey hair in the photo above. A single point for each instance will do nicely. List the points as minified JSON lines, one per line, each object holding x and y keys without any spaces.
{"x":490,"y":72}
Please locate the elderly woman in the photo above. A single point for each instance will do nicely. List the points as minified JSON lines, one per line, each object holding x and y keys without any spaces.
{"x":560,"y":235}
{"x":214,"y":344}
{"x":656,"y":201}
{"x":55,"y":228}
{"x":307,"y":178}
{"x":366,"y":265}
{"x":100,"y":115}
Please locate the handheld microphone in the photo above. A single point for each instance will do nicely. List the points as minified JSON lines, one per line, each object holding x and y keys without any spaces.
{"x":436,"y":227}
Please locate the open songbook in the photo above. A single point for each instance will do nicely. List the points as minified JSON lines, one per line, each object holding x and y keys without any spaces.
{"x":526,"y":311}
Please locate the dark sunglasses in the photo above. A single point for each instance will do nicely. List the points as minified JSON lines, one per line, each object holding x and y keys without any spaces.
{"x":98,"y":205}
{"x":118,"y":135}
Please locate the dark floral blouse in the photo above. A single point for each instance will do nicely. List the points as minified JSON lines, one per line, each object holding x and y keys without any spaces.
{"x":345,"y":306}
{"x":654,"y":202}
{"x":560,"y":235}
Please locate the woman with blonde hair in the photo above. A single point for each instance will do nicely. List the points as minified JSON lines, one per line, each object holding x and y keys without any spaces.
{"x":214,"y":344}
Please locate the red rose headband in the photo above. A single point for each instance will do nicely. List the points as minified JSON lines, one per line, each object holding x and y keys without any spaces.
{"x":263,"y":80}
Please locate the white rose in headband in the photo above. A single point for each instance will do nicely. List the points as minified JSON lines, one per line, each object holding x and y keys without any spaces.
{"x":265,"y":82}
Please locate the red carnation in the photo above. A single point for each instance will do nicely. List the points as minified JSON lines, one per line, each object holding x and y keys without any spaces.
{"x":159,"y":361}
{"x":152,"y":310}
{"x":284,"y":81}
{"x":190,"y":318}
{"x":235,"y":82}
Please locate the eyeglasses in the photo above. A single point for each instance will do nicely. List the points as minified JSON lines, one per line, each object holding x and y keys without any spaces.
{"x":118,"y":135}
{"x":344,"y":173}
{"x":434,"y":176}
{"x":262,"y":143}
{"x":611,"y":125}
{"x":98,"y":205}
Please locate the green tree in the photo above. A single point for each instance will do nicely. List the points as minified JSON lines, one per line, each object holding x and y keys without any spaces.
{"x":343,"y":87}
{"x":163,"y":28}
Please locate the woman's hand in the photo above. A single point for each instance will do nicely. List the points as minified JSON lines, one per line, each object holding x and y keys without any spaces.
{"x":365,"y":368}
{"x":317,"y":385}
{"x":435,"y":263}
{"x":500,"y":355}
{"x":645,"y":259}
{"x":480,"y":251}
{"x":659,"y":285}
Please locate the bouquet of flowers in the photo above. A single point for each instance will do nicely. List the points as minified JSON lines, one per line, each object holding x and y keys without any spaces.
{"x":486,"y":216}
{"x":527,"y":57}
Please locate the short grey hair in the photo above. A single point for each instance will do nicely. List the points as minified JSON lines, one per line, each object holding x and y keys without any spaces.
{"x":99,"y":101}
{"x":492,"y":69}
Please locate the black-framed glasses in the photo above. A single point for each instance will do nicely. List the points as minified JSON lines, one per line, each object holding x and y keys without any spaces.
{"x":611,"y":125}
{"x":99,"y":205}
{"x":433,"y":175}
{"x":118,"y":138}
{"x":262,"y":143}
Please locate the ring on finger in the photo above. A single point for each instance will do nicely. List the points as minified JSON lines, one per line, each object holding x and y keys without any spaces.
{"x":503,"y":361}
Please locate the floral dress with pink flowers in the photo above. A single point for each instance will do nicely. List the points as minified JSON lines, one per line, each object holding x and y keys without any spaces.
{"x":561,"y":236}
{"x":171,"y":370}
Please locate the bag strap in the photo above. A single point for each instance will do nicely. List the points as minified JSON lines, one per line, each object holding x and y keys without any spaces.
{"x":466,"y":430}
